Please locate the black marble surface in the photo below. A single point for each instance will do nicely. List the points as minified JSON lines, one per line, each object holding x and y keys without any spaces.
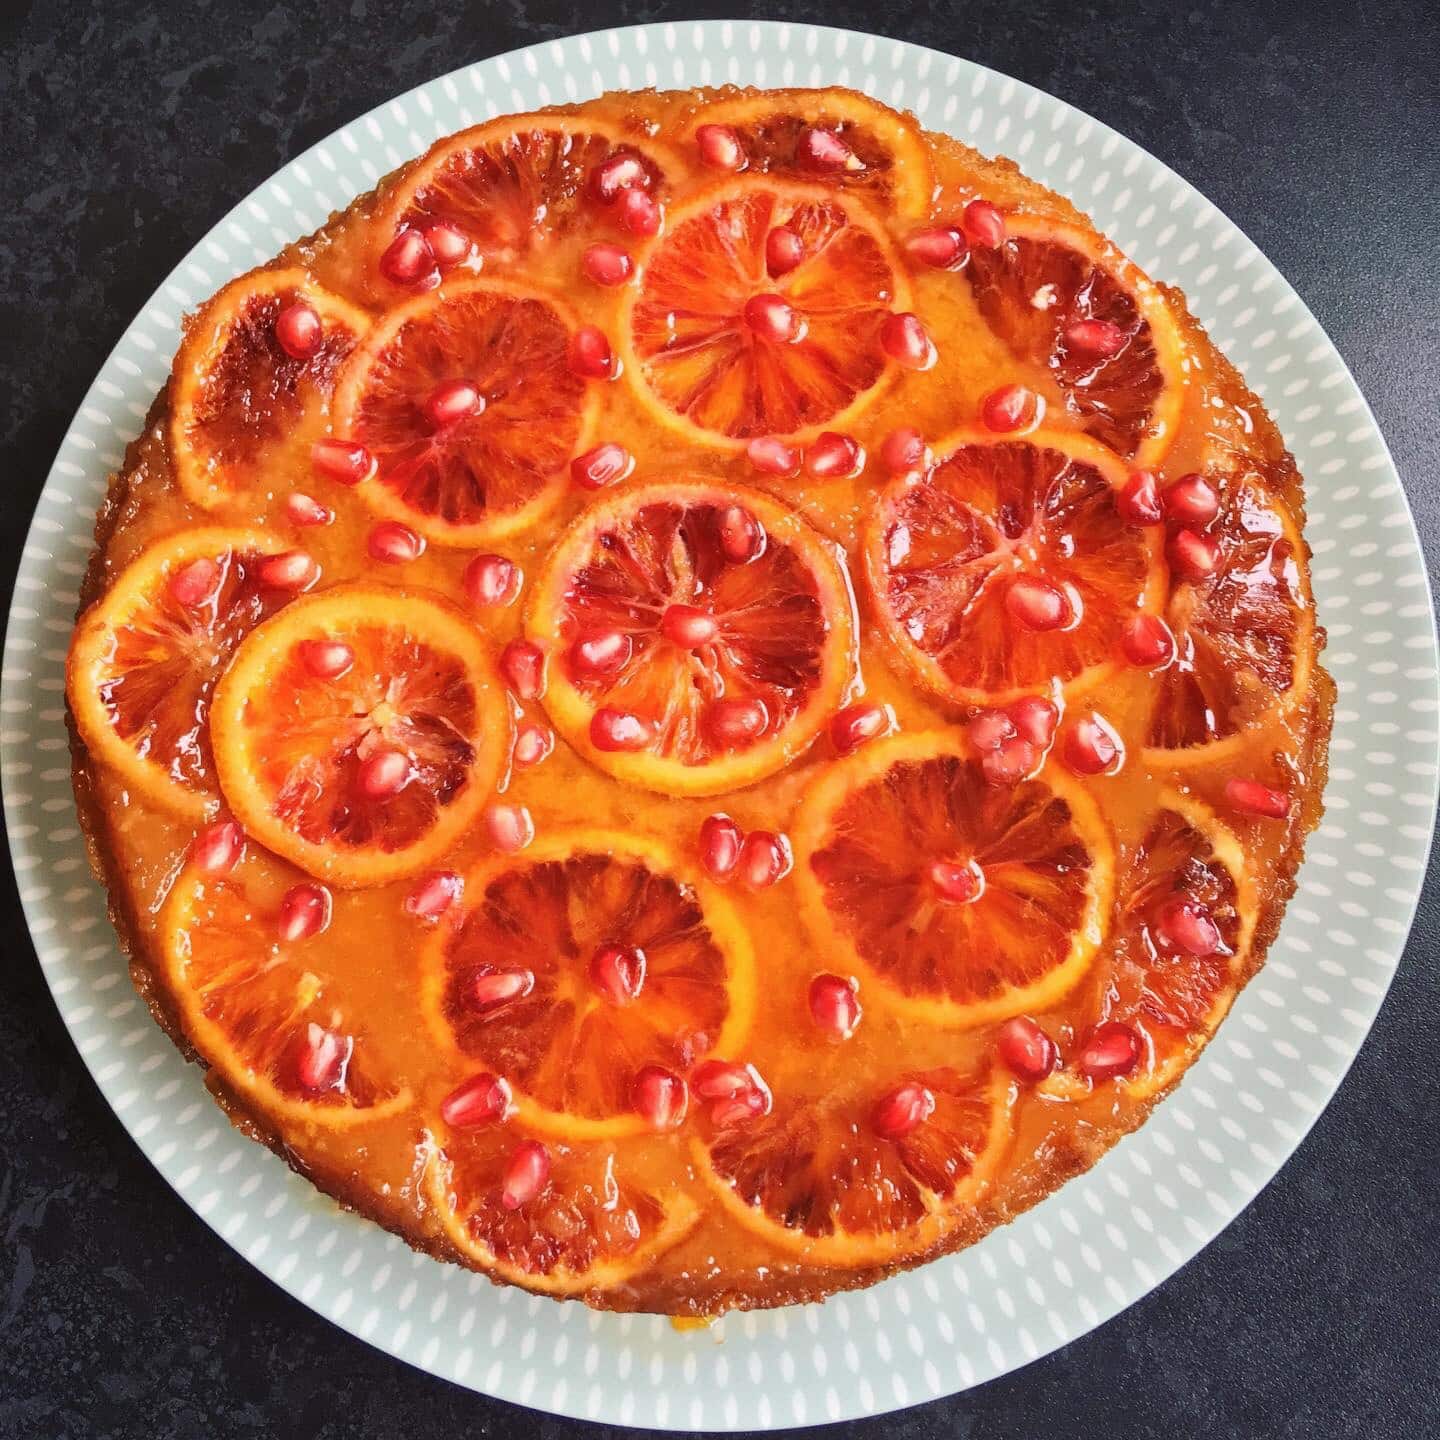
{"x":129,"y":129}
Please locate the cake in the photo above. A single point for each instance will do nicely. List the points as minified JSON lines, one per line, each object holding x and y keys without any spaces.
{"x":700,"y":698}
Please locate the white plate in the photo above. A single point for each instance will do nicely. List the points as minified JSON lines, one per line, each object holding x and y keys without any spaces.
{"x":1103,"y":1240}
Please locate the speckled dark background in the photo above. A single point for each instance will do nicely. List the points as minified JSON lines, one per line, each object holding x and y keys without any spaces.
{"x":129,"y":129}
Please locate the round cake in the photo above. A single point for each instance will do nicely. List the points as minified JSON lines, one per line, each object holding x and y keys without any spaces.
{"x":700,"y":698}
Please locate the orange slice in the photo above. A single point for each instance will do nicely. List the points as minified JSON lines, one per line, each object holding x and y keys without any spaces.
{"x":944,"y":554}
{"x":143,"y":663}
{"x":239,"y":400}
{"x":569,"y":1049}
{"x":367,"y":775}
{"x":815,"y":1179}
{"x":867,"y":836}
{"x":696,"y":362}
{"x":730,"y":669}
{"x":1045,"y":278}
{"x":476,"y":479}
{"x":881,"y":153}
{"x":591,"y":1228}
{"x":1245,"y":635}
{"x":258,"y":1008}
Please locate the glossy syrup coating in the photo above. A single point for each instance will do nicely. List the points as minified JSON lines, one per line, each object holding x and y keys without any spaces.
{"x":1161,"y":818}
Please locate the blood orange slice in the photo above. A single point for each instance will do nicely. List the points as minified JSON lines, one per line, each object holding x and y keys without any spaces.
{"x":1044,"y":280}
{"x":145,"y":659}
{"x":566,"y":1038}
{"x":839,"y":136}
{"x":1245,"y":634}
{"x":484,"y":474}
{"x":728,"y":667}
{"x":948,"y":558}
{"x":241,"y":400}
{"x":363,"y":774}
{"x":815,"y":1179}
{"x":280,"y":1020}
{"x":590,"y":1228}
{"x":703,"y":359}
{"x":878,"y":841}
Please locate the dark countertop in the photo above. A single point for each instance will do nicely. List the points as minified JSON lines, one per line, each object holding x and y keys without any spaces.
{"x":130,"y":129}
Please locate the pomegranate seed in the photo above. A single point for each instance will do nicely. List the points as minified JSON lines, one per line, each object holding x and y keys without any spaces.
{"x":724,"y":1113}
{"x":342,"y":460}
{"x":834,"y":456}
{"x":1037,"y":604}
{"x":621,"y":171}
{"x":660,"y":1097}
{"x":448,"y":244}
{"x":1139,"y":501}
{"x":1012,"y":410}
{"x":409,"y":260}
{"x":193,"y":584}
{"x":834,"y":1005}
{"x":323,"y":1058}
{"x":1035,"y":718}
{"x":1110,"y":1051}
{"x":773,"y":318}
{"x":901,"y":1110}
{"x":299,"y":331}
{"x":688,"y":626}
{"x":857,"y":725}
{"x":509,"y":827}
{"x":1146,"y":641}
{"x":522,"y":663}
{"x":1093,"y":748}
{"x":618,"y":972}
{"x":773,"y":456}
{"x":1187,"y":926}
{"x":606,"y":264}
{"x":903,"y":339}
{"x":606,"y":464}
{"x":326,"y":659}
{"x":1095,"y":337}
{"x":742,"y":537}
{"x":292,"y":570}
{"x":492,"y":580}
{"x":612,"y":729}
{"x":765,"y":859}
{"x":1191,"y":500}
{"x":1250,"y":797}
{"x":720,"y":147}
{"x":990,"y":729}
{"x":1011,"y":761}
{"x":302,"y":509}
{"x":384,"y":773}
{"x":639,"y":213}
{"x":720,"y":842}
{"x":497,"y":988}
{"x":958,"y":883}
{"x":784,"y":250}
{"x":434,"y":895}
{"x":725,"y":1080}
{"x":533,"y":744}
{"x":939,"y":248}
{"x":1026,"y":1050}
{"x":600,"y":655}
{"x":1193,"y":556}
{"x":733,"y":723}
{"x":904,"y":450}
{"x":527,"y":1173}
{"x":218,"y":848}
{"x":825,"y":150}
{"x":452,"y":401}
{"x":392,"y":543}
{"x":480,"y":1100}
{"x":305,"y":911}
{"x":590,"y":356}
{"x":984,"y":225}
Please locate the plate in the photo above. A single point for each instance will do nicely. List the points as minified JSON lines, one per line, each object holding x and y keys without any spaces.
{"x":1100,"y":1242}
